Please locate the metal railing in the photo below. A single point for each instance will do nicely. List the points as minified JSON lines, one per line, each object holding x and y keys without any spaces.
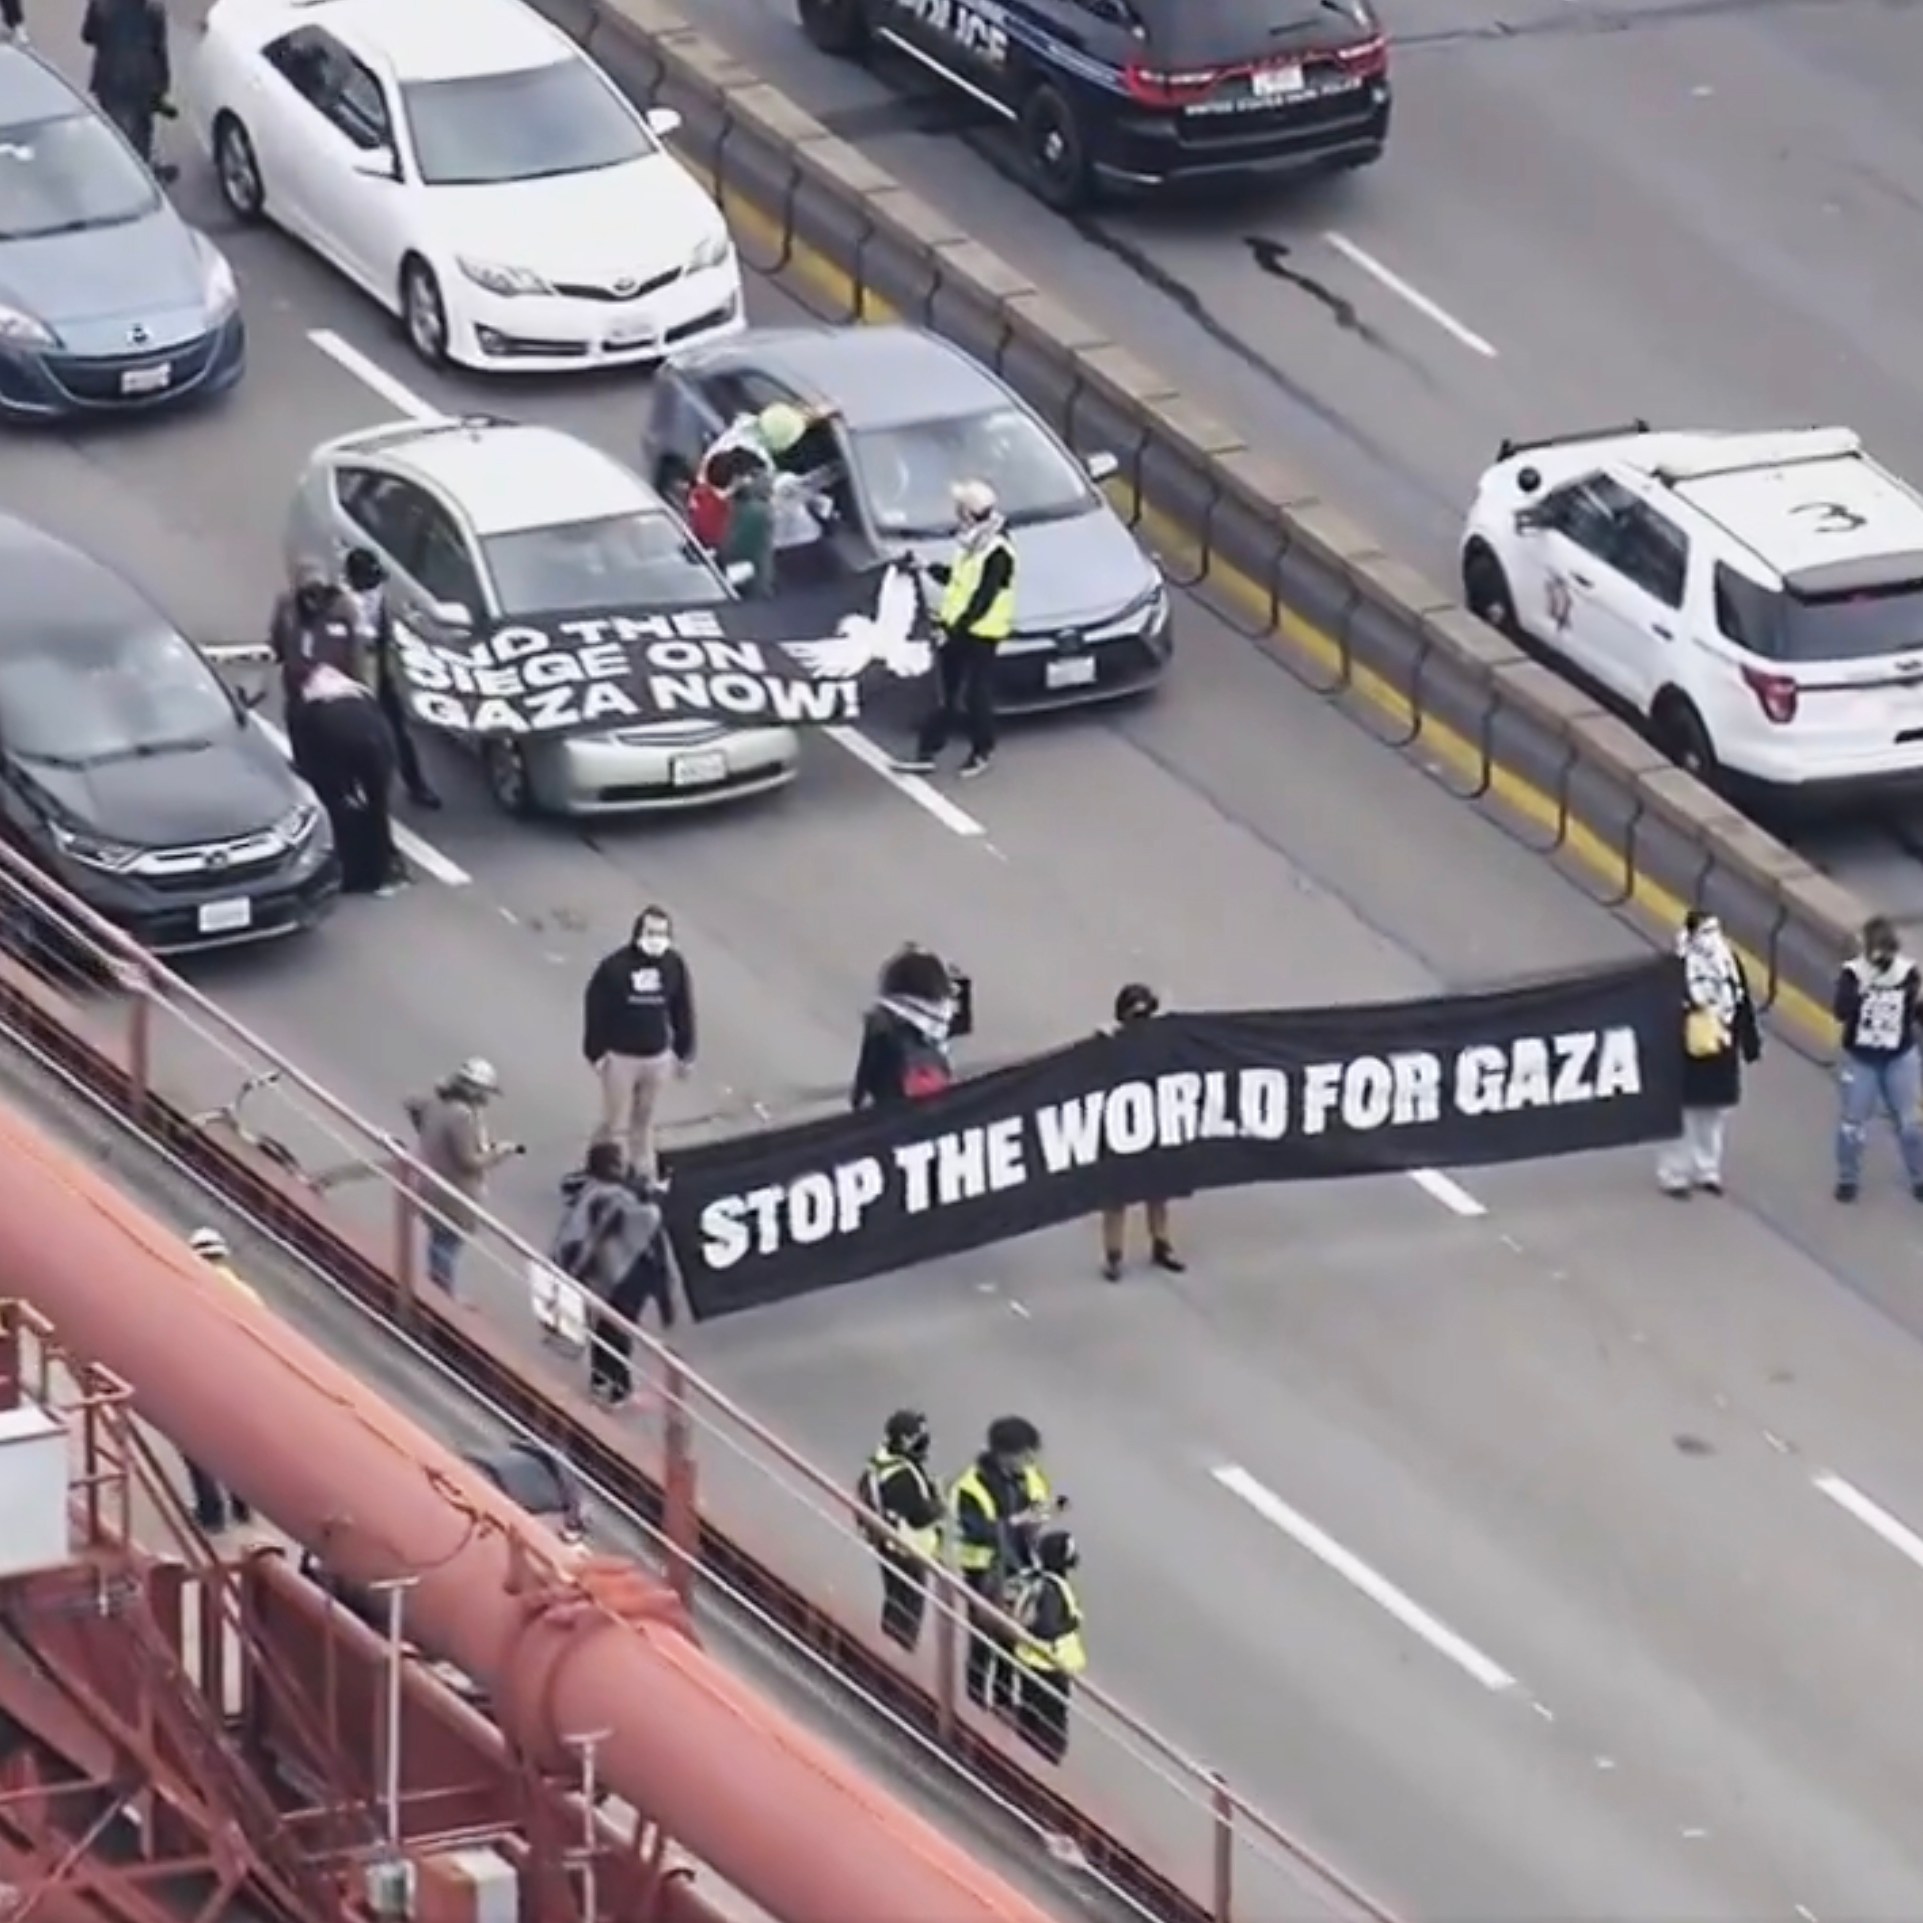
{"x":736,"y":1510}
{"x":1239,"y":529}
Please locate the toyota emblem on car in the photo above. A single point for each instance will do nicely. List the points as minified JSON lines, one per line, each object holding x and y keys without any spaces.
{"x":137,"y":335}
{"x":626,"y":288}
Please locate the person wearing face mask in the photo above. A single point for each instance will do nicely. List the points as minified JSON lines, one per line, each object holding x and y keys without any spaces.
{"x":905,"y":1500}
{"x":1051,"y":1653}
{"x":637,"y":1025}
{"x":923,"y":1006}
{"x":1876,"y":1008}
{"x":996,"y":1509}
{"x":1138,"y":1003}
{"x":1720,"y":1035}
{"x":366,"y":596}
{"x":977,"y":614}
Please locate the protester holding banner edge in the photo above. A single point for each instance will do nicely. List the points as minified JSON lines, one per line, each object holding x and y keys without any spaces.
{"x":1137,"y":1002}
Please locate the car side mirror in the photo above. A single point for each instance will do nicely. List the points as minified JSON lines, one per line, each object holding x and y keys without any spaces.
{"x":1534,"y":520}
{"x":664,"y":123}
{"x":1102,"y":466}
{"x":739,"y":573}
{"x":377,"y":163}
{"x":251,"y":698}
{"x":455,"y":616}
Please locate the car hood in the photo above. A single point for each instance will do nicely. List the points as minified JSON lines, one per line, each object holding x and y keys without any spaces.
{"x":139,"y":272}
{"x":237,"y":787}
{"x":1069,"y":574}
{"x":638,"y":220}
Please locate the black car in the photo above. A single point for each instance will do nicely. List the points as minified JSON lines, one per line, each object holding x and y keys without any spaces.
{"x":133,"y":775}
{"x":913,"y":416}
{"x":1132,"y":95}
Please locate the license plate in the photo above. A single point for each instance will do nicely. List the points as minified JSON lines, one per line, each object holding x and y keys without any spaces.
{"x":1077,"y":671}
{"x":147,"y":380}
{"x":698,"y":771}
{"x":620,"y":339}
{"x":1274,"y":83}
{"x":225,"y":917}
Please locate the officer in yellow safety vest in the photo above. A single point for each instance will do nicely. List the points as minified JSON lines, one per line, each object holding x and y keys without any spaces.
{"x":215,"y":1508}
{"x":995,"y":1508}
{"x":1050,"y":1655}
{"x":977,"y":615}
{"x":905,"y":1499}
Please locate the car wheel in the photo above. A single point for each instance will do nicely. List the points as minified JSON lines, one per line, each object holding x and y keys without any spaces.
{"x":838,"y":27}
{"x":1054,"y":152}
{"x":1680,"y":733}
{"x":237,"y":170}
{"x":673,"y":482}
{"x":508,"y":781}
{"x":1485,"y":592}
{"x":423,"y":311}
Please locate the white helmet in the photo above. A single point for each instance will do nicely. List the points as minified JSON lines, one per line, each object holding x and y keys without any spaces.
{"x":209,"y":1244}
{"x":479,"y":1074}
{"x":974,"y":501}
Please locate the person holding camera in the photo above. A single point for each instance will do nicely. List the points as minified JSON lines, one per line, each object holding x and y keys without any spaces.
{"x":452,"y":1141}
{"x":1138,"y":1003}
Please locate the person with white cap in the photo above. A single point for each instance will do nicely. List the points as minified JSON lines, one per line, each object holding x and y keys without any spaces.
{"x":977,"y":614}
{"x":452,"y":1141}
{"x":216,"y":1509}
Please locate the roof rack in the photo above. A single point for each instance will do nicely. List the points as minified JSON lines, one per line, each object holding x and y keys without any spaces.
{"x":1795,"y":447}
{"x":1510,"y":448}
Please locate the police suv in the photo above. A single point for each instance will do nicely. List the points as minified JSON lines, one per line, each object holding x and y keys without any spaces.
{"x":1135,"y":94}
{"x":1756,"y":599}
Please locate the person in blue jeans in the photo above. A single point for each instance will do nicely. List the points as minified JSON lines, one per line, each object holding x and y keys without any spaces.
{"x":1876,"y":1009}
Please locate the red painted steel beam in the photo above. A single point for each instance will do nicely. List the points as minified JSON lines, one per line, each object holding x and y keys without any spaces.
{"x":774,"y":1811}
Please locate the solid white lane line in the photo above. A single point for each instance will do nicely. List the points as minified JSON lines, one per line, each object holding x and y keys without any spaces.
{"x":398,"y":395}
{"x":423,"y":854}
{"x":1873,"y":1516}
{"x":1407,"y":291}
{"x":1354,"y":1571}
{"x":924,"y":794}
{"x":372,"y":375}
{"x":1446,"y":1190}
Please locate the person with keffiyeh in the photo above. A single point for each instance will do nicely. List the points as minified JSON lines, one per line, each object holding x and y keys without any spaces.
{"x":1720,"y":1035}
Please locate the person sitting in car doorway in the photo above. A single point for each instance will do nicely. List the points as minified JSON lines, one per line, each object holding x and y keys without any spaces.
{"x":365,"y":592}
{"x":923,"y":1007}
{"x":1138,"y":1003}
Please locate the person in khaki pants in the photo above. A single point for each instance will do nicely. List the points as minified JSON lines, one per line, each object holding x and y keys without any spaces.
{"x":638,"y":1028}
{"x":1138,"y":1003}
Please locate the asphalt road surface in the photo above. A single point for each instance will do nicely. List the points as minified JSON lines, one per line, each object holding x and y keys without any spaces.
{"x":1528,"y":1541}
{"x":1699,"y":212}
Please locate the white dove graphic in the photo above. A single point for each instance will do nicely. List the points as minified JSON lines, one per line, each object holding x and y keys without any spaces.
{"x":882,"y":639}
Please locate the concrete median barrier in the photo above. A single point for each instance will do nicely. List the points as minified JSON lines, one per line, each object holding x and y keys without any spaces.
{"x":1290,"y":570}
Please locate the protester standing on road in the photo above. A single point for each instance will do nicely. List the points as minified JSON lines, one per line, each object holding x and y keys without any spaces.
{"x":132,"y":75}
{"x":366,"y":593}
{"x":350,"y":762}
{"x":216,"y":1508}
{"x":923,"y":1005}
{"x":996,"y":1507}
{"x":610,"y":1242}
{"x":1051,"y":1653}
{"x":1138,"y":1003}
{"x":453,"y":1142}
{"x":1876,"y":1008}
{"x":976,"y":616}
{"x":905,"y":1499}
{"x":1720,"y":1034}
{"x":638,"y":1026}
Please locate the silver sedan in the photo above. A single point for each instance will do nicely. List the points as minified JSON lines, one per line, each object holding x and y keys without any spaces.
{"x":485,"y":521}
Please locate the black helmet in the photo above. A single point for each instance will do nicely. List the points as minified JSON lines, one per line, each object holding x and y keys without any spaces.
{"x":363,"y":570}
{"x":907,"y":1432}
{"x":1136,"y":1003}
{"x":1013,"y":1436}
{"x":1055,"y":1551}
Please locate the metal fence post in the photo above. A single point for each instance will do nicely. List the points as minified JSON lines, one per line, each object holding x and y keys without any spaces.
{"x":140,"y":1037}
{"x":946,"y":1641}
{"x":680,"y":1518}
{"x":1222,"y":1893}
{"x":406,"y":1214}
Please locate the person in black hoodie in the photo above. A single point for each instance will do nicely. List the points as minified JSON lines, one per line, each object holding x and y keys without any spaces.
{"x":922,"y":1007}
{"x":637,"y":1020}
{"x":365,"y":592}
{"x":131,"y":75}
{"x":1879,"y":995}
{"x":1137,"y":1002}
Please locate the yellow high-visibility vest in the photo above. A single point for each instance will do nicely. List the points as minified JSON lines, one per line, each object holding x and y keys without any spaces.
{"x":1066,"y":1652}
{"x":972,"y":1558}
{"x":926,"y":1540}
{"x":965,"y":577}
{"x":226,"y":1272}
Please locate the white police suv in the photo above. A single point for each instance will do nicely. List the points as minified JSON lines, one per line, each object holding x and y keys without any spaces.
{"x":1756,"y":599}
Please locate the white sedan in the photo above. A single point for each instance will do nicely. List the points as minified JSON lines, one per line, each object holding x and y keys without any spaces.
{"x":474,"y":171}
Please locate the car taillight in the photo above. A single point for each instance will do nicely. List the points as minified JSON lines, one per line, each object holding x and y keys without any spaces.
{"x":1152,"y":87}
{"x":1366,"y":58}
{"x":1776,"y":693}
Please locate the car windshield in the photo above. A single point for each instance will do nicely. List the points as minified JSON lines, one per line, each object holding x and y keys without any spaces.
{"x":84,"y":698}
{"x":64,"y":176}
{"x":641,"y":560}
{"x":1197,"y":31}
{"x":538,"y":124}
{"x":909,"y":473}
{"x":1853,"y":627}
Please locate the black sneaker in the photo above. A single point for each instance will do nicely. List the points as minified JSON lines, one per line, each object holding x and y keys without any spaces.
{"x":1111,"y":1268}
{"x":975,"y":765}
{"x":913,"y":764}
{"x":1846,"y":1191}
{"x":1165,"y":1258}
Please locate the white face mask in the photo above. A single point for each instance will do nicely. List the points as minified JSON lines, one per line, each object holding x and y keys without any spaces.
{"x":654,"y":941}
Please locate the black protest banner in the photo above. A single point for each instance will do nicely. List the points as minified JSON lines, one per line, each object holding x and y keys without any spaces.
{"x":1178,"y":1104}
{"x":799,"y":660}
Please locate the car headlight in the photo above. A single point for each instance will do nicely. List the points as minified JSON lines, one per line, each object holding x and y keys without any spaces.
{"x":219,"y":292}
{"x":716,"y":251}
{"x":95,"y":851}
{"x":297,"y":824}
{"x":503,"y":280}
{"x":19,"y":326}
